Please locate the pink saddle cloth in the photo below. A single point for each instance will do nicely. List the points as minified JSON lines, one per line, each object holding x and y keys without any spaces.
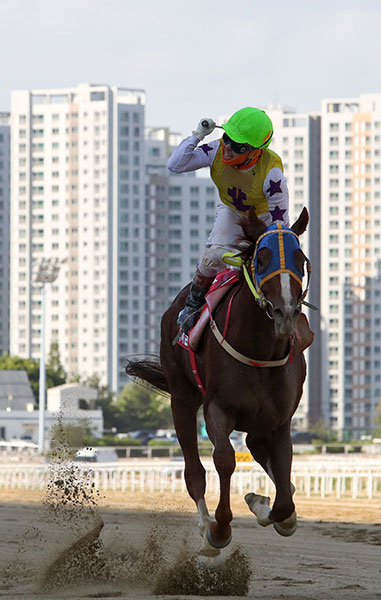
{"x":220,"y":286}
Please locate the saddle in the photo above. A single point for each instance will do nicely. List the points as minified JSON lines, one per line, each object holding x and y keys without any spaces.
{"x":225,"y":281}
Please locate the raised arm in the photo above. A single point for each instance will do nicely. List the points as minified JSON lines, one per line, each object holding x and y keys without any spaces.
{"x":188,"y":156}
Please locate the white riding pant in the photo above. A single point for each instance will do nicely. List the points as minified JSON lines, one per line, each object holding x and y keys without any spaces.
{"x":223,"y":238}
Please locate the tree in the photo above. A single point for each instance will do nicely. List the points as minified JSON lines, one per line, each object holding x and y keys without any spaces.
{"x":75,"y":378}
{"x":55,"y":373}
{"x":104,"y":401}
{"x":377,"y":421}
{"x":139,"y":408}
{"x":322,"y":431}
{"x":31,"y":366}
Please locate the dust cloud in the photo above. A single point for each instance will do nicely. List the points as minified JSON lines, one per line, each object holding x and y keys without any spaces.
{"x":74,"y":549}
{"x":190,"y":578}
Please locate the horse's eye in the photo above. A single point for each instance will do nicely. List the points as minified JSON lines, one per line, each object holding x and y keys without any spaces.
{"x":263,"y":260}
{"x":299,"y":259}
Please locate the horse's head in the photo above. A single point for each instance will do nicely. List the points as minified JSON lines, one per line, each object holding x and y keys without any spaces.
{"x":277,"y":269}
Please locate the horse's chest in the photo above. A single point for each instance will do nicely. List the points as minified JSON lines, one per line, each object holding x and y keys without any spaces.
{"x":266,"y":401}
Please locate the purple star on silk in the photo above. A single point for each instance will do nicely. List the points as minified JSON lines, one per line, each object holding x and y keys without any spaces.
{"x":277,"y":213}
{"x":206,"y":148}
{"x":238,"y":196}
{"x":274,"y":187}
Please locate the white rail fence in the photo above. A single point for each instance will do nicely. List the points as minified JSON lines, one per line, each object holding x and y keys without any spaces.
{"x":353,"y":480}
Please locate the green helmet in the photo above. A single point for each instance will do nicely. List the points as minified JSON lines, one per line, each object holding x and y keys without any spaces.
{"x":250,"y":126}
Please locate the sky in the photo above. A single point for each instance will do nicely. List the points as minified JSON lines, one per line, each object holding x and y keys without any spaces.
{"x":194,"y":59}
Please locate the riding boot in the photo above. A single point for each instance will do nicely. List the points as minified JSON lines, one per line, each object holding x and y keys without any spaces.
{"x":195,"y":301}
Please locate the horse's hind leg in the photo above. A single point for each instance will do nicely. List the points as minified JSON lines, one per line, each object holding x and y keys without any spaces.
{"x":219,"y":428}
{"x":185,"y":404}
{"x":184,"y":410}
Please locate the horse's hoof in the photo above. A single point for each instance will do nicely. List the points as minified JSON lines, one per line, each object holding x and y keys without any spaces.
{"x":251,"y":499}
{"x":212,"y":563}
{"x":287,"y":527}
{"x":216,"y":544}
{"x":260,"y":507}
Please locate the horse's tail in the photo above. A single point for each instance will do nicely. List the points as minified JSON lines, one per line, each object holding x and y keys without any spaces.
{"x":148,"y":370}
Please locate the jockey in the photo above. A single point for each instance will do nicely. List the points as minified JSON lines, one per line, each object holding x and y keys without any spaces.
{"x":246,"y":174}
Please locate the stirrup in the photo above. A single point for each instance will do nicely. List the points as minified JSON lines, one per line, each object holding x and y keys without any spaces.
{"x":177,"y":337}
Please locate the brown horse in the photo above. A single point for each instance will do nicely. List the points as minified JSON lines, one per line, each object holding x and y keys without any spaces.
{"x":259,"y":400}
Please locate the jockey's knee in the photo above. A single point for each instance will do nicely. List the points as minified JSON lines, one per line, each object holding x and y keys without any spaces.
{"x":211,"y":262}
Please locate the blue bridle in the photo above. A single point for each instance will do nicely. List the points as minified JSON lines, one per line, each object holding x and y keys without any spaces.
{"x":282,"y":242}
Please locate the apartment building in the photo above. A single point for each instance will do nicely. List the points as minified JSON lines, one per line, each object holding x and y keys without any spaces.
{"x":77,"y":195}
{"x":4,"y":229}
{"x":297,"y":141}
{"x":159,"y":143}
{"x":351,"y":262}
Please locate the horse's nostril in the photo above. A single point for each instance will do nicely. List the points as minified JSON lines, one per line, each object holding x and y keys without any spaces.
{"x":278,"y":314}
{"x":296,"y":313}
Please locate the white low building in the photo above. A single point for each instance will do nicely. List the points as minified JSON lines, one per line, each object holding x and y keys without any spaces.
{"x":19,"y":416}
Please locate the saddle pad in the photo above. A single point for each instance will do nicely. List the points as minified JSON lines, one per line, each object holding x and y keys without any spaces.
{"x":224,"y":278}
{"x":220,"y":286}
{"x":217,"y":291}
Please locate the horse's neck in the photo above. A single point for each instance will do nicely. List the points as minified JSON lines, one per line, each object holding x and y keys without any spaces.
{"x":251,"y":331}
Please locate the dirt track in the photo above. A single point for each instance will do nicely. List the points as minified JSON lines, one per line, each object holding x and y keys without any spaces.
{"x":335,"y":553}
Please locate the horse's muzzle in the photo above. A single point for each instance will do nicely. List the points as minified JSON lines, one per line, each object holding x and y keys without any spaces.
{"x":284,"y":319}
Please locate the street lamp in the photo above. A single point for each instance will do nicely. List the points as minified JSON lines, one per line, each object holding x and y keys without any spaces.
{"x":48,"y":270}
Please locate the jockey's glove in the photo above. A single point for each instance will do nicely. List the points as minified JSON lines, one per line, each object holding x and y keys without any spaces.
{"x":205,"y":127}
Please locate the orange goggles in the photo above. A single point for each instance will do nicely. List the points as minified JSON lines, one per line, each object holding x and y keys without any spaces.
{"x":244,"y":161}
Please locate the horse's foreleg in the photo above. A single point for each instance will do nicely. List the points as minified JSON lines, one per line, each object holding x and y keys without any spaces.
{"x":279,"y":468}
{"x":260,"y":505}
{"x":219,"y":429}
{"x":185,"y":420}
{"x":262,"y":450}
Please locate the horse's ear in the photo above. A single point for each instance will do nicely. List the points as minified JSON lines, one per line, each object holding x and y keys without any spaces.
{"x":301,"y":223}
{"x":252,"y":226}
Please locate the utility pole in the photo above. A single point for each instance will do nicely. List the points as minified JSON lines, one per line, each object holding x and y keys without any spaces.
{"x":48,"y":270}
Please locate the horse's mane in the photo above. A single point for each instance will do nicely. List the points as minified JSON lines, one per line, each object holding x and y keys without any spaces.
{"x":252,"y":228}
